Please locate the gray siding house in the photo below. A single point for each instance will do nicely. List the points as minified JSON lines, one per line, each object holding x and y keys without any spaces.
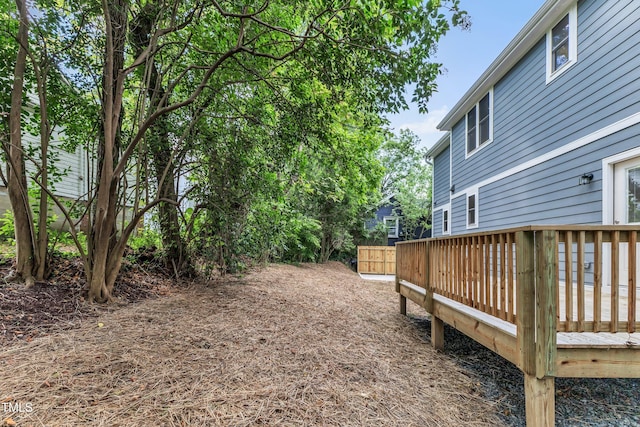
{"x":550,"y":133}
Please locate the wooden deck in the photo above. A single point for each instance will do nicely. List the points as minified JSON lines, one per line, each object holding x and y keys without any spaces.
{"x":510,"y":291}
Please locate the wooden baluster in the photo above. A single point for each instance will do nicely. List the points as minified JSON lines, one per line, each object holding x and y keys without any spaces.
{"x":503,"y":278}
{"x":631,"y":312}
{"x":597,"y":281}
{"x":487,"y":274}
{"x":510,"y":273}
{"x":456,"y":276}
{"x":469,"y":252}
{"x":480,"y":264}
{"x":494,"y":273}
{"x":561,"y":325}
{"x":449,"y":269}
{"x":580,"y":271}
{"x":473,"y":255}
{"x":615,"y":268}
{"x":568,"y":280}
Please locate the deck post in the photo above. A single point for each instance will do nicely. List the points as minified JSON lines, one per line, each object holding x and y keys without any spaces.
{"x":525,"y":301}
{"x":403,"y":299}
{"x":539,"y":397}
{"x":437,"y":325}
{"x":536,"y":322}
{"x":546,"y":309}
{"x":437,"y":333}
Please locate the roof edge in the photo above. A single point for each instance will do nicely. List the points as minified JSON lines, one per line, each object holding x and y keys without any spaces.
{"x":528,"y":36}
{"x":439,"y":146}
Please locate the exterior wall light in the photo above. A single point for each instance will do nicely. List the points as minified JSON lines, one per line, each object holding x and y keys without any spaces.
{"x":585,"y":179}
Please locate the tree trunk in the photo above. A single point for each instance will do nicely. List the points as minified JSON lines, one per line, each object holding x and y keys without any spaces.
{"x":159,"y":145}
{"x":43,"y":236}
{"x":164,"y":170}
{"x":17,"y":180}
{"x":103,"y":231}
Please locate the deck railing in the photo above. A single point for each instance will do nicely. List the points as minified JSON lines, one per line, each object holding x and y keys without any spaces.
{"x":592,"y":273}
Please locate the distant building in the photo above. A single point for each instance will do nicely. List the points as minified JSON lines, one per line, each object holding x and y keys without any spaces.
{"x":389,"y":214}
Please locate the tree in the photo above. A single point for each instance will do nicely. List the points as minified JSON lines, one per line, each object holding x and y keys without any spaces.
{"x":178,"y":64}
{"x":26,"y":261}
{"x":407,"y":180}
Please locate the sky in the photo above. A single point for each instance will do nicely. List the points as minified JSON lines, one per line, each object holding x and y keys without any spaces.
{"x":465,"y":56}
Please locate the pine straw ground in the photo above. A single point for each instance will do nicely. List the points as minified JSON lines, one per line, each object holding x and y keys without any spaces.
{"x":308,"y":345}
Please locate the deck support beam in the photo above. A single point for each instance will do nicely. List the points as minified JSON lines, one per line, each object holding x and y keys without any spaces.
{"x":539,"y":394}
{"x":437,"y":333}
{"x":403,"y":305}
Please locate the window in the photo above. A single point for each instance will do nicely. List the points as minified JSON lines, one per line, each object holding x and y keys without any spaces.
{"x":471,"y":130}
{"x":562,"y":45}
{"x":472,"y":210}
{"x":479,"y":124}
{"x":445,"y":221}
{"x":391,"y":223}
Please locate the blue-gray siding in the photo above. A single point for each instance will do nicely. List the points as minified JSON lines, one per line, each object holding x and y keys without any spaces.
{"x":441,"y":185}
{"x":458,"y":215}
{"x":532,"y":118}
{"x":436,"y":226}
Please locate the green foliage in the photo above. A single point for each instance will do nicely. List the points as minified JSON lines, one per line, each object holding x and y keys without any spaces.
{"x":407,"y":180}
{"x":374,"y":236}
{"x":274,"y":119}
{"x":145,"y":238}
{"x":7,"y":229}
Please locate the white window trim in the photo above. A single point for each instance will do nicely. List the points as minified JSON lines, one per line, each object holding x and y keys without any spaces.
{"x":472,"y":192}
{"x":397,"y":220}
{"x":573,"y":45}
{"x":466,"y":126}
{"x":446,"y":208}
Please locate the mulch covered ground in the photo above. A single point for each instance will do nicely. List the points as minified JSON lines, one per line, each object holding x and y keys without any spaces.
{"x":284,"y":345}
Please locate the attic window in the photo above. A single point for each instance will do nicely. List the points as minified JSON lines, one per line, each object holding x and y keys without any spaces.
{"x":479,"y":124}
{"x":562,"y":44}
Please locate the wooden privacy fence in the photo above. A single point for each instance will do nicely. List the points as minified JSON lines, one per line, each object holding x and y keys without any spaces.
{"x":559,"y":301}
{"x":377,"y":259}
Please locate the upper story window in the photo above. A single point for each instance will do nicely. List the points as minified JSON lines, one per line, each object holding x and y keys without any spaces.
{"x":479,"y":124}
{"x":562,"y":44}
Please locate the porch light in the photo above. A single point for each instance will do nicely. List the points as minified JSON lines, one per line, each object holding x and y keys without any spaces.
{"x":585,"y":179}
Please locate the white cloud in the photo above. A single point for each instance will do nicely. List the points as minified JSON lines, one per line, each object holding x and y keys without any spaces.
{"x":424,"y":126}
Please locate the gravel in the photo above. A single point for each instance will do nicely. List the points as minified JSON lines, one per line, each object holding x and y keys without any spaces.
{"x":593,"y":402}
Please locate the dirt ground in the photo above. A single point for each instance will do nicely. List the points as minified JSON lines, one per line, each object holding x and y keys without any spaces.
{"x":285,"y":345}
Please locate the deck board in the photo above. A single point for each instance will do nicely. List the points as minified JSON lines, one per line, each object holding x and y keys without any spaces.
{"x":598,"y":339}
